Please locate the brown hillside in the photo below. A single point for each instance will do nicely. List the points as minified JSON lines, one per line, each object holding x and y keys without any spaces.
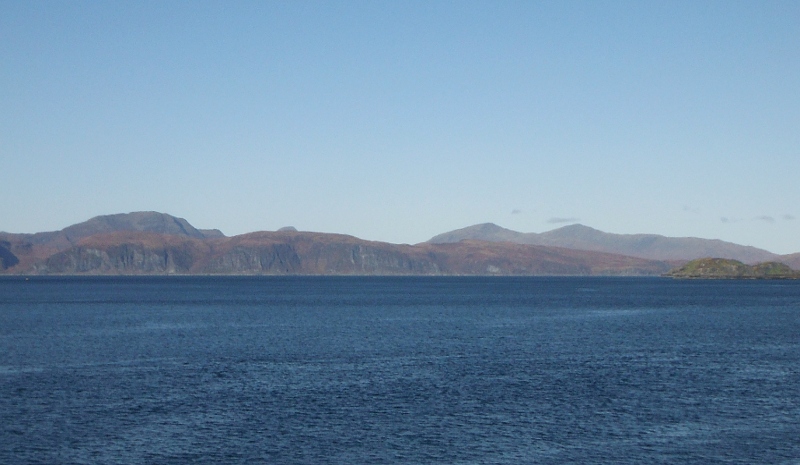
{"x":292,"y":252}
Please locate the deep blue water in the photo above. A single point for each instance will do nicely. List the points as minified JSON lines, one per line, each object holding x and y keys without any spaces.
{"x":399,"y":370}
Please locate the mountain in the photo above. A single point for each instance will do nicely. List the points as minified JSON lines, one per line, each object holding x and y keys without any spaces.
{"x":25,"y":249}
{"x":579,"y":237}
{"x":138,"y":221}
{"x":793,"y":260}
{"x":486,"y":258}
{"x":483,"y":232}
{"x":289,"y":252}
{"x":720,"y":268}
{"x":156,"y":243}
{"x":211,"y":233}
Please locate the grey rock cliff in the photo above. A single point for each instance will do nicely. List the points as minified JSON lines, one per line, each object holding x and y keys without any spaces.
{"x":120,"y":259}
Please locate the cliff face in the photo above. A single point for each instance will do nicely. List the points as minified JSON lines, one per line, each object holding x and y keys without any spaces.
{"x":270,"y":259}
{"x":39,"y":251}
{"x":126,"y":253}
{"x":291,"y":252}
{"x":256,"y":253}
{"x":124,"y":259}
{"x":154,"y":243}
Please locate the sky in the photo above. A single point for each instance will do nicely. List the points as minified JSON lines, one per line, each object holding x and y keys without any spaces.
{"x":399,"y":120}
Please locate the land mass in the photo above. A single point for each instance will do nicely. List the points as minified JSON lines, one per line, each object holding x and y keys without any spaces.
{"x":720,"y":268}
{"x":650,"y":246}
{"x":145,"y":243}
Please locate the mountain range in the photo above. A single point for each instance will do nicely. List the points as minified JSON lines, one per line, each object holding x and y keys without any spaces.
{"x":142,"y":243}
{"x":652,"y":246}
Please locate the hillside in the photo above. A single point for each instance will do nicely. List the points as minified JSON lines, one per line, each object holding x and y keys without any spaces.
{"x":157,"y":243}
{"x":154,"y":243}
{"x":579,"y":237}
{"x":27,"y":249}
{"x":718,"y":268}
{"x":793,"y":260}
{"x":326,"y":254}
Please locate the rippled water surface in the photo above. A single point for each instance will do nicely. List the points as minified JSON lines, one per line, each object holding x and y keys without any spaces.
{"x":399,"y":370}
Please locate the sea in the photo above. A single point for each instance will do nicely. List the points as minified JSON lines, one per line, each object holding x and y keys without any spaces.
{"x":398,"y":370}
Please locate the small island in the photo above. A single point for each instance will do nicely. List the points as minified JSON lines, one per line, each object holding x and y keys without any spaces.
{"x":722,"y":268}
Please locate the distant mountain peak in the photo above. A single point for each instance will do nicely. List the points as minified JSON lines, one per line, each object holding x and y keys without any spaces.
{"x":486,"y":228}
{"x":575,"y":227}
{"x":146,"y":221}
{"x":153,"y":242}
{"x":482,"y":232}
{"x":581,"y":237}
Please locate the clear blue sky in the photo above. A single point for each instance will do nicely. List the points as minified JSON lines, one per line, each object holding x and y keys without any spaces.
{"x":399,"y":120}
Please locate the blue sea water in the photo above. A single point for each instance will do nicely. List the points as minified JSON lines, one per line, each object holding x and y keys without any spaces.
{"x":310,"y":370}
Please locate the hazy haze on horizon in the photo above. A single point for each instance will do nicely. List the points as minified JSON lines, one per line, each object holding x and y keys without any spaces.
{"x":397,"y":121}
